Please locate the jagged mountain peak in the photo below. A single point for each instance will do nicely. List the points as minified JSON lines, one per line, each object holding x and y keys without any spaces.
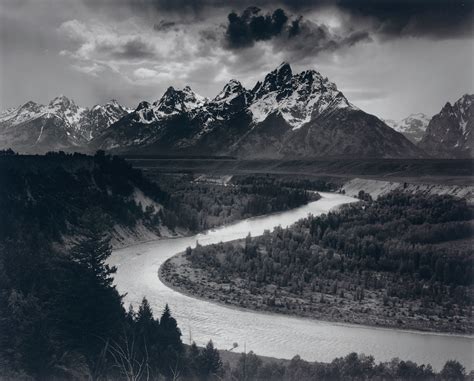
{"x":465,"y":101}
{"x":297,"y":98}
{"x":29,"y":104}
{"x":187,"y":89}
{"x":178,"y":101}
{"x":283,"y":71}
{"x":466,"y":97}
{"x":231,"y":89}
{"x":277,"y":79}
{"x":61,"y":100}
{"x":143,"y":105}
{"x":111,"y":104}
{"x":447,"y":107}
{"x":449,"y":133}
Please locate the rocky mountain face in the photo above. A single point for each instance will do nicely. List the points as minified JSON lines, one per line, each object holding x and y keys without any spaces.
{"x":286,"y":115}
{"x":36,"y":128}
{"x":450,"y":132}
{"x":412,"y":127}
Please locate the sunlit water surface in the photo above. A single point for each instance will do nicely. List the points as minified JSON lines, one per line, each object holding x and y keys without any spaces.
{"x":271,"y":334}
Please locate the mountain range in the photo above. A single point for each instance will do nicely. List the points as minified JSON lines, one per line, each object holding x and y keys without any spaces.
{"x":413,"y":127}
{"x":286,"y":115}
{"x":59,"y":125}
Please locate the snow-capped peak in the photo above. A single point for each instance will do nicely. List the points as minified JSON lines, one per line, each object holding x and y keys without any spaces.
{"x":449,"y":133}
{"x":110,"y":104}
{"x":464,"y":112}
{"x":66,"y":109}
{"x":413,"y":126}
{"x":276,"y":79}
{"x":21,"y":114}
{"x":231,"y":90}
{"x":297,"y":98}
{"x":284,"y":71}
{"x":61,"y":100}
{"x":79,"y":122}
{"x":464,"y":102}
{"x":178,"y":101}
{"x":192,"y":99}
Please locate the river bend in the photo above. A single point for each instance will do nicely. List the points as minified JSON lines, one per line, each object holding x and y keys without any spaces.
{"x":266,"y":334}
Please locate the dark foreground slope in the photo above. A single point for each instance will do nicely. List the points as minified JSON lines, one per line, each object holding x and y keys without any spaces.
{"x":50,"y":194}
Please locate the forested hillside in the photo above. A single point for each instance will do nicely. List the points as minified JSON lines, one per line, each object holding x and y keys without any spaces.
{"x":403,"y":260}
{"x":48,"y":195}
{"x":200,"y":204}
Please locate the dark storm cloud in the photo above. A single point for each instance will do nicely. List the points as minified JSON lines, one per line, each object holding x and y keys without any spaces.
{"x":243,"y":30}
{"x":295,"y":28}
{"x":296,"y":35}
{"x":416,"y":18}
{"x":436,"y":19}
{"x":308,"y":39}
{"x":198,"y":6}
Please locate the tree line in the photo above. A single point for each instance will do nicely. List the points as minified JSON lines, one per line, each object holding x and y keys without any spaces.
{"x":201,"y":205}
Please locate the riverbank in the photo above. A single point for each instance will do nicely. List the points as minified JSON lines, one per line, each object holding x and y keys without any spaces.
{"x":179,"y":274}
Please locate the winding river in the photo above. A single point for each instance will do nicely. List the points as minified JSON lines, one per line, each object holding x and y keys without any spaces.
{"x":271,"y":334}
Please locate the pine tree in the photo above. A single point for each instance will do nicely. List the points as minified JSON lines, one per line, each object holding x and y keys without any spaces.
{"x":147,"y":328}
{"x":170,"y":332}
{"x":93,"y":249}
{"x":210,"y":362}
{"x":193,"y":359}
{"x":91,"y":310}
{"x":144,"y":314}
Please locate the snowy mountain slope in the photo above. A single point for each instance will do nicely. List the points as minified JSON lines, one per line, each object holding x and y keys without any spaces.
{"x":179,"y":121}
{"x":61,"y":124}
{"x":285,"y":115}
{"x":298,"y":99}
{"x":412,"y":127}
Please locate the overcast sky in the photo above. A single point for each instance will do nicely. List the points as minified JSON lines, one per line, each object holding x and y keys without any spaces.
{"x":390,"y":58}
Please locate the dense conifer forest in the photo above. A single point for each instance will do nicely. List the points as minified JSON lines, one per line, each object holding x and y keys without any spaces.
{"x":203,"y":204}
{"x":403,"y":260}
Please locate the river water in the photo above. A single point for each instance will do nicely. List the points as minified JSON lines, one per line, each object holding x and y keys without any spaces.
{"x":271,"y":334}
